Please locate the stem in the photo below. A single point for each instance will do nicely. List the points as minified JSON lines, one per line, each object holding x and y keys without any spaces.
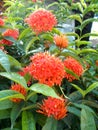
{"x":63,"y":93}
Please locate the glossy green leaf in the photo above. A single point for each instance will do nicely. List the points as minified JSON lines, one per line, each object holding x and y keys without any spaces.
{"x":9,"y":38}
{"x":87,"y":21}
{"x":30,"y":43}
{"x":87,"y":51}
{"x":91,"y":103}
{"x":15,"y":112}
{"x":71,"y":73}
{"x":28,"y":122}
{"x":24,"y":33}
{"x":51,"y":124}
{"x":72,"y":34}
{"x":6,"y":104}
{"x":75,"y":96}
{"x":4,"y":61}
{"x":74,"y":110}
{"x":40,"y":119}
{"x":8,"y":94}
{"x":4,"y":114}
{"x":90,"y":7}
{"x":91,"y":87}
{"x":14,"y":62}
{"x":79,"y":89}
{"x":15,"y":77}
{"x":82,"y":43}
{"x":89,"y":34}
{"x":76,"y":17}
{"x":47,"y":36}
{"x":44,"y":89}
{"x":87,"y":120}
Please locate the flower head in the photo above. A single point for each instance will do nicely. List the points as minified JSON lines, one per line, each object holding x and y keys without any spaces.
{"x":41,"y":21}
{"x":61,"y":41}
{"x":20,"y":89}
{"x":14,"y":33}
{"x":1,"y":22}
{"x":53,"y":107}
{"x":73,"y":65}
{"x":36,"y":1}
{"x":47,"y":69}
{"x":96,"y":62}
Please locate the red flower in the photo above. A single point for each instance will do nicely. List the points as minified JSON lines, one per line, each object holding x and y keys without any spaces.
{"x":61,"y":41}
{"x":1,"y":22}
{"x":47,"y":69}
{"x":96,"y":62}
{"x":14,"y":33}
{"x":24,"y":71}
{"x":41,"y":21}
{"x":53,"y":107}
{"x":20,"y":89}
{"x":36,"y":1}
{"x":73,"y":65}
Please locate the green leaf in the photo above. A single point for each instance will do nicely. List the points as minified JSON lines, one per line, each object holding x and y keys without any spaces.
{"x":87,"y":51}
{"x":79,"y":89}
{"x":90,"y":8}
{"x":51,"y":124}
{"x":91,"y":87}
{"x":47,"y":36}
{"x":72,"y":34}
{"x":87,"y":120}
{"x":75,"y":96}
{"x":44,"y":89}
{"x":16,"y":110}
{"x":4,"y":114}
{"x":8,"y":94}
{"x":15,"y":77}
{"x":82,"y":106}
{"x":28,"y":122}
{"x":6,"y":104}
{"x":89,"y":34}
{"x":24,"y":33}
{"x":76,"y":17}
{"x":74,"y":110}
{"x":14,"y":62}
{"x":92,"y":103}
{"x":56,"y":31}
{"x":87,"y":21}
{"x":40,"y":119}
{"x":4,"y":61}
{"x":71,"y":73}
{"x":30,"y":43}
{"x":82,"y":43}
{"x":9,"y":38}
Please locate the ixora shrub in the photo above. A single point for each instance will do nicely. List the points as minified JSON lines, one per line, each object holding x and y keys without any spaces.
{"x":47,"y":82}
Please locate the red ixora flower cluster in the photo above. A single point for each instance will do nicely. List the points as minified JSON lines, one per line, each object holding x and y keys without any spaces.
{"x":53,"y":107}
{"x":14,"y":33}
{"x":20,"y":89}
{"x":1,"y":22}
{"x":61,"y":41}
{"x":41,"y":21}
{"x":73,"y":65}
{"x":37,"y":0}
{"x":47,"y":69}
